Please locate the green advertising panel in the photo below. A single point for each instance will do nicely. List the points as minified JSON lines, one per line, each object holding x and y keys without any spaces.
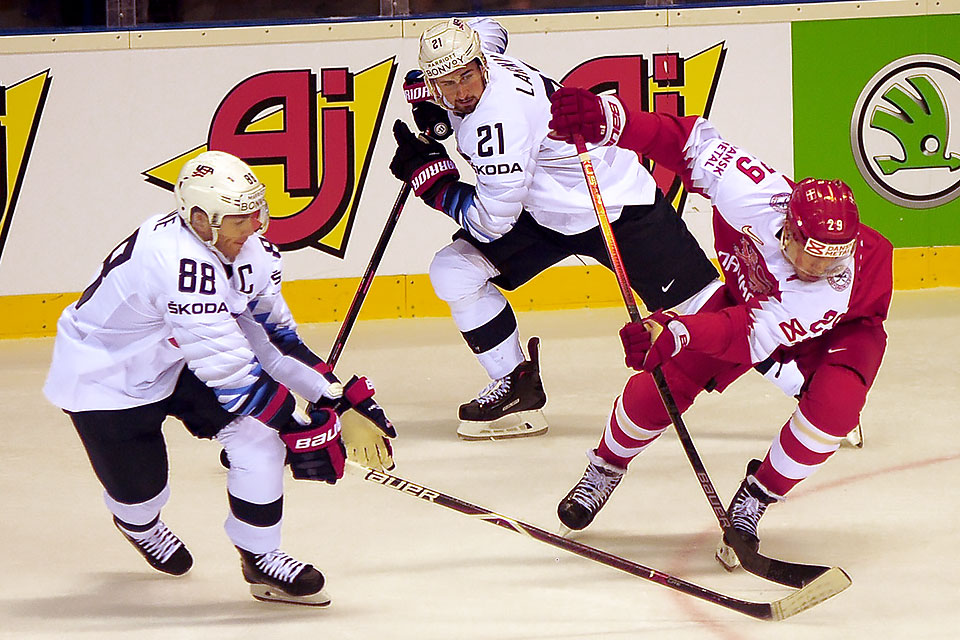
{"x":872,"y":105}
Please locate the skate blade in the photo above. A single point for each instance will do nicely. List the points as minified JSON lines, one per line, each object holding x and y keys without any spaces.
{"x":727,"y":557}
{"x":854,"y":439}
{"x":266,"y":593}
{"x":523,"y":424}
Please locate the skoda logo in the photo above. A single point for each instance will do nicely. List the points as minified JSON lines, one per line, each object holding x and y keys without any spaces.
{"x":904,"y":142}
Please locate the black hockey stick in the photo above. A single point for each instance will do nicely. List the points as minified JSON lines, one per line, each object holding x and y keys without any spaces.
{"x":826,"y":586}
{"x":351,"y":316}
{"x":787,"y":573}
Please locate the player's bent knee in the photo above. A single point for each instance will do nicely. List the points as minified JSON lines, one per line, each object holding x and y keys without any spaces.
{"x":250,"y":444}
{"x":458,"y":271}
{"x":834,"y":399}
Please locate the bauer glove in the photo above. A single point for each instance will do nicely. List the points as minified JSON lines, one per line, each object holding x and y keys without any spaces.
{"x":599,"y":119}
{"x":315,"y":450}
{"x":430,"y":118}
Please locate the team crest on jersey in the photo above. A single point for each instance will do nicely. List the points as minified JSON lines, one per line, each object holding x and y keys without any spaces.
{"x":842,"y":281}
{"x":20,"y":107}
{"x":310,"y":148}
{"x":753,"y":271}
{"x":780,"y":202}
{"x":666,"y":82}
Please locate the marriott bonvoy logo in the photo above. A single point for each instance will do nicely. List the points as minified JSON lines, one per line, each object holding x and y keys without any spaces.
{"x":903,"y":140}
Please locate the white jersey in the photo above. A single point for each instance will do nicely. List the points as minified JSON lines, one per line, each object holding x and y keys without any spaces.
{"x":518,"y":167}
{"x":162,"y":299}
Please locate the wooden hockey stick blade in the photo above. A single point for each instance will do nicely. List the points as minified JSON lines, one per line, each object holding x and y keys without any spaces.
{"x":826,"y":586}
{"x":829,"y":584}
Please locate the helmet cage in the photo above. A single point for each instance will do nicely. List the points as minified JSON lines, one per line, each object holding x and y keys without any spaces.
{"x":446,"y":47}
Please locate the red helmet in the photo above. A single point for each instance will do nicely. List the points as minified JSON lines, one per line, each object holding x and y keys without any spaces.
{"x":822,"y":217}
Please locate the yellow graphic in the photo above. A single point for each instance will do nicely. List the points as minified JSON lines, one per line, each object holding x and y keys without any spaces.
{"x":21,"y":104}
{"x":370,"y":87}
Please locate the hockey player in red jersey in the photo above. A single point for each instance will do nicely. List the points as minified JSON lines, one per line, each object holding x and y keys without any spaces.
{"x":186,"y":319}
{"x":805,"y":281}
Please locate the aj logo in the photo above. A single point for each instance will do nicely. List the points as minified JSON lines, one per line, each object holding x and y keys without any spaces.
{"x":665,"y":82}
{"x":20,"y":108}
{"x":310,"y":148}
{"x":901,"y":133}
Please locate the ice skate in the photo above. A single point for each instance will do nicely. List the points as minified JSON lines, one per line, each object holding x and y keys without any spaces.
{"x":854,"y":438}
{"x":508,"y":407}
{"x":276,"y":577}
{"x":162,"y":549}
{"x":747,"y":507}
{"x":584,"y":501}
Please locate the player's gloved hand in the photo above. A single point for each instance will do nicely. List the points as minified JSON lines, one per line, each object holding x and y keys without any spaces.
{"x":636,"y":342}
{"x":599,"y":119}
{"x":365,"y":443}
{"x":421,"y":162}
{"x":358,"y":393}
{"x":315,"y":450}
{"x":430,"y":118}
{"x":669,"y":336}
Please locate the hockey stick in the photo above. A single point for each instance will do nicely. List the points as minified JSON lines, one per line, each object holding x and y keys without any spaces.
{"x":787,"y":573}
{"x":826,"y":586}
{"x":351,"y":316}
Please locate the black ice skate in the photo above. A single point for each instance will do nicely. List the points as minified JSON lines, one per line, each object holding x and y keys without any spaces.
{"x":276,"y":577}
{"x":162,"y":549}
{"x":747,"y":507}
{"x":508,"y":407}
{"x":585,"y":500}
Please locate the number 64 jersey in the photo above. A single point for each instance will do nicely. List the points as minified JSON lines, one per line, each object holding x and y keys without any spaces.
{"x":163,"y":299}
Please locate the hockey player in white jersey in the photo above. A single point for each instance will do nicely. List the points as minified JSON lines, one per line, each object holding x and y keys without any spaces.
{"x":186,"y":318}
{"x":528,"y":209}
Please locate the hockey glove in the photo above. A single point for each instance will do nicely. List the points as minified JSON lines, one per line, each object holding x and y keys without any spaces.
{"x":358,"y":392}
{"x":430,"y":118}
{"x":599,"y":119}
{"x":315,"y":451}
{"x":647,"y":345}
{"x":365,"y":443}
{"x":423,"y":163}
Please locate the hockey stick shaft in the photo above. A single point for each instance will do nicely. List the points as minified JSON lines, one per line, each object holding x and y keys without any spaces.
{"x":787,"y":573}
{"x":792,"y":604}
{"x":367,"y":279}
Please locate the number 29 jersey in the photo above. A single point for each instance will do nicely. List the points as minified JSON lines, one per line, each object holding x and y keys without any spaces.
{"x":163,"y":299}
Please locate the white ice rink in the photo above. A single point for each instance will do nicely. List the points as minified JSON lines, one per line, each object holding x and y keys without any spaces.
{"x":398,"y":567}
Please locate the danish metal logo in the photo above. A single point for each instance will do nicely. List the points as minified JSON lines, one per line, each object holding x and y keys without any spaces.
{"x":20,"y":107}
{"x":903,"y":140}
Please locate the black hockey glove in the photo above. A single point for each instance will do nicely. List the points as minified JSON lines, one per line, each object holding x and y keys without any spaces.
{"x":315,"y":451}
{"x":423,"y":163}
{"x":430,"y":118}
{"x":358,"y":393}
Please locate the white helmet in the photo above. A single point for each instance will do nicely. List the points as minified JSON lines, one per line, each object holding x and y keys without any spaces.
{"x":446,"y":47}
{"x":219,"y":184}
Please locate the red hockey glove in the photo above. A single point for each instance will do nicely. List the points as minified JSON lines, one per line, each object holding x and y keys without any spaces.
{"x":636,"y":343}
{"x":430,"y":118}
{"x":599,"y":119}
{"x":315,"y":450}
{"x":669,"y":337}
